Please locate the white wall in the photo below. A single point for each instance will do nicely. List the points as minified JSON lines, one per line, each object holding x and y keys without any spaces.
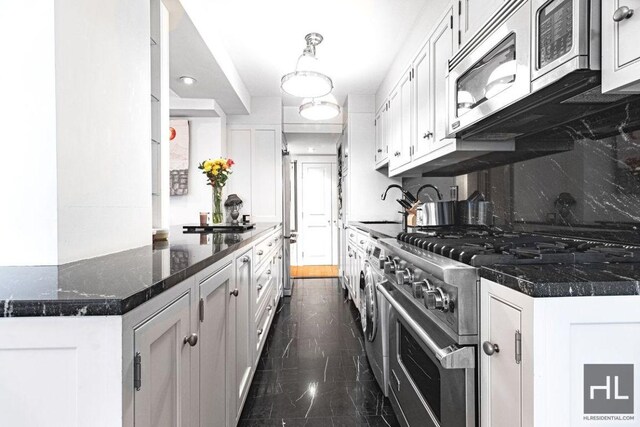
{"x":77,"y":98}
{"x":103,"y":133}
{"x":28,"y":207}
{"x":265,"y":110}
{"x":205,"y":142}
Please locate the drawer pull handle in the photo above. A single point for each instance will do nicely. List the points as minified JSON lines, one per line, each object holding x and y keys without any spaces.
{"x":245,"y":259}
{"x":260,"y":252}
{"x":270,"y":244}
{"x":259,"y":287}
{"x":269,"y":308}
{"x":234,"y":293}
{"x":259,"y":331}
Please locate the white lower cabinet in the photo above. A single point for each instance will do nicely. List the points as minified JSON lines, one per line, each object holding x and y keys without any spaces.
{"x":536,"y":353}
{"x":163,"y":386}
{"x":501,"y":358}
{"x":217,"y":357}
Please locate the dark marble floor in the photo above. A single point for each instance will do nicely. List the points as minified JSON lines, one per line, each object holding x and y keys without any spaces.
{"x":313,"y":371}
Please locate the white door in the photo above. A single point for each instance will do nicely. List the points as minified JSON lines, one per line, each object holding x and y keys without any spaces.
{"x":441,"y":49}
{"x":316,"y":232}
{"x":422,"y":103}
{"x":162,"y":396}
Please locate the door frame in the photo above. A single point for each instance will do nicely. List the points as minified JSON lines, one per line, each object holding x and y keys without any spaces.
{"x":301,"y":161}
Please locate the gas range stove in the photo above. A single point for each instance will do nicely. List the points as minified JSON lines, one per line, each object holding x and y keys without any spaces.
{"x":485,"y":246}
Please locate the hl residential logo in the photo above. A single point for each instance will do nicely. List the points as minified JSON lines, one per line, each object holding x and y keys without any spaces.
{"x":608,"y":393}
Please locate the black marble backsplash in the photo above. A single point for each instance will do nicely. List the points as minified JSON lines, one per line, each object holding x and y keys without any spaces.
{"x":595,"y":186}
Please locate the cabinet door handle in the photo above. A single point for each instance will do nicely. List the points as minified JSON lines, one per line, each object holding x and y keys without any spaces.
{"x":622,"y":13}
{"x":245,"y":259}
{"x":259,"y":331}
{"x":269,"y":271}
{"x":260,"y":252}
{"x":379,"y":150}
{"x":192,"y":340}
{"x":270,"y":244}
{"x":397,"y":153}
{"x":234,"y":293}
{"x":490,"y":348}
{"x":279,"y":256}
{"x":427,"y":135}
{"x":259,"y":287}
{"x":269,"y":308}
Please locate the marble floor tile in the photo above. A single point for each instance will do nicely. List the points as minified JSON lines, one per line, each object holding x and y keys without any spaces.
{"x":313,"y":371}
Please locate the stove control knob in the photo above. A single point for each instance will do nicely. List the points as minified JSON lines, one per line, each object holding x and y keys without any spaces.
{"x":436,"y":299}
{"x":381,"y":262}
{"x":417,"y":289}
{"x":389,"y":267}
{"x":404,"y":277}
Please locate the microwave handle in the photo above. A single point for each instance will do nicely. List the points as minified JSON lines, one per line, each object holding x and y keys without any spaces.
{"x":451,"y":357}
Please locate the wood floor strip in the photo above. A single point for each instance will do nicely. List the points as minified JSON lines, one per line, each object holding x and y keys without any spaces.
{"x":314,"y":271}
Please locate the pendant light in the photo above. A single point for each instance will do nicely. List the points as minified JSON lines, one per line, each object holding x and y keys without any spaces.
{"x":322,"y":108}
{"x":306,"y":81}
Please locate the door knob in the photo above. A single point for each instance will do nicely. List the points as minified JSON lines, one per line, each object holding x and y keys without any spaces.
{"x":192,"y":340}
{"x":234,"y":293}
{"x":490,"y":348}
{"x":622,"y":13}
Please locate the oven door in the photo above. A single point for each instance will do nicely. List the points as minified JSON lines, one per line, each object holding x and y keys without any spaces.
{"x":566,"y":39}
{"x":493,"y":70}
{"x":427,"y":387}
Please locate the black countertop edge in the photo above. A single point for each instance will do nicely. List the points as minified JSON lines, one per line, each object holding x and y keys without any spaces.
{"x":558,"y":280}
{"x":381,"y":231}
{"x":90,"y":304}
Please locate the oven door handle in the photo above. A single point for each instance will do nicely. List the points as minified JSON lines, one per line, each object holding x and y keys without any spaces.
{"x":451,"y":357}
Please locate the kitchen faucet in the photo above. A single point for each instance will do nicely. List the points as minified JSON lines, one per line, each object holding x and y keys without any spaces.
{"x":407,"y":195}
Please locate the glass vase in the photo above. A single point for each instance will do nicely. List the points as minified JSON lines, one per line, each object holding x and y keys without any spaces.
{"x":216,"y":215}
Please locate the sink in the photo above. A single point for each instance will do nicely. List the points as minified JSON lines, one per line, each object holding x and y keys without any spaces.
{"x":379,"y":222}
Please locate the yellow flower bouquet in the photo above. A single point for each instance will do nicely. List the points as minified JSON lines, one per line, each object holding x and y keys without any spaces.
{"x":217,"y":172}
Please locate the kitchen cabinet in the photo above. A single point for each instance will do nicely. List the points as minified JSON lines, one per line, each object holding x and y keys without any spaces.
{"x":257,"y":173}
{"x":381,"y":155}
{"x":471,"y":17}
{"x":501,"y":347}
{"x":240,"y":327}
{"x":423,"y":132}
{"x":553,"y":337}
{"x":401,"y":121}
{"x":216,"y":356}
{"x":620,"y":49}
{"x":361,"y":184}
{"x":163,"y":345}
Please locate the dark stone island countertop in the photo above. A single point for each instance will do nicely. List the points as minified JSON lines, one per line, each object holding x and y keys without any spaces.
{"x":565,"y":280}
{"x":117,"y":283}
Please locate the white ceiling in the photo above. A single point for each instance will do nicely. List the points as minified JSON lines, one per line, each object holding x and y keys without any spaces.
{"x":361,"y":38}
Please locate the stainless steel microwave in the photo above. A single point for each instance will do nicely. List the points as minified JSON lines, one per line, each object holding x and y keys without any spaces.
{"x":534,"y":65}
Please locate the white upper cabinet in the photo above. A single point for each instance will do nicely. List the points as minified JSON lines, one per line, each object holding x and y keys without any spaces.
{"x":422,"y":103}
{"x":382,"y":148}
{"x":441,"y":49}
{"x":620,"y":49}
{"x":401,"y":112}
{"x":472,"y":15}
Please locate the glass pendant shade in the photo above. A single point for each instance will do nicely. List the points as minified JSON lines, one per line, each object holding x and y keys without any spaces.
{"x":306,"y":81}
{"x":322,"y":108}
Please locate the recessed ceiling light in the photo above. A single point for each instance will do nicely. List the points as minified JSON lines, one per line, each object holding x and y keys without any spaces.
{"x":187,"y":80}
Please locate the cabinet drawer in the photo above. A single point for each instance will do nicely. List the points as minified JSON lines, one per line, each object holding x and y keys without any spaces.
{"x":263,"y":285}
{"x":263,"y":321}
{"x":265,"y":248}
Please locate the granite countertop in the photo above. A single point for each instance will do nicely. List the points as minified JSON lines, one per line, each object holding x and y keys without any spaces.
{"x":381,"y":231}
{"x":117,"y":283}
{"x":565,"y":280}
